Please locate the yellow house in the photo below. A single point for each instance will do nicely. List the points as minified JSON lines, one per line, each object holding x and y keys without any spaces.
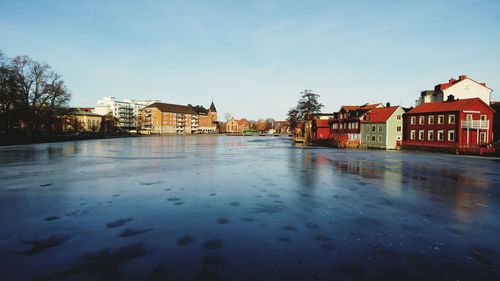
{"x":82,"y":121}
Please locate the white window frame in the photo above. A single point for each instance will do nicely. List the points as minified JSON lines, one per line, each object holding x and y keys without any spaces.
{"x":379,"y":138}
{"x":380,"y":128}
{"x":413,"y":120}
{"x":440,"y":119}
{"x":440,"y":135}
{"x":412,"y":134}
{"x":398,"y":128}
{"x":421,"y":120}
{"x":449,"y":133}
{"x":421,"y":135}
{"x":430,"y":135}
{"x":430,"y":119}
{"x":451,"y":119}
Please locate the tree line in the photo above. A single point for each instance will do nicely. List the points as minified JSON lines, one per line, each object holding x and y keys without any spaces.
{"x":32,"y":95}
{"x":307,"y":104}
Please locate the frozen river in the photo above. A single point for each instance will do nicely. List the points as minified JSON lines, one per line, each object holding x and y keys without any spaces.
{"x":243,"y":208}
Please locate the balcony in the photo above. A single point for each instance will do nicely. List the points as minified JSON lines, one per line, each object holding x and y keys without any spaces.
{"x":475,"y":124}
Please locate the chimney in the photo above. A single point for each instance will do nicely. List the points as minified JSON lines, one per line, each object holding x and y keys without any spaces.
{"x":388,"y":104}
{"x":451,"y":98}
{"x":462,"y":77}
{"x":452,"y":80}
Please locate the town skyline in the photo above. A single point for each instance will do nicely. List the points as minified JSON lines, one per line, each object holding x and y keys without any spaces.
{"x":253,"y":59}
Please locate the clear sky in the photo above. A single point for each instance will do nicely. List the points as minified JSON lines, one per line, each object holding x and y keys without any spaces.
{"x":254,"y":57}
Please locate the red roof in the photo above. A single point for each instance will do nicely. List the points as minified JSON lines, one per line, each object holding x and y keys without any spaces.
{"x":380,"y":115}
{"x":453,"y":81}
{"x":445,"y":106}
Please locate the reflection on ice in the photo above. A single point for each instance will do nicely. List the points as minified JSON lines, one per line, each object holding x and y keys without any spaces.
{"x":224,"y":208}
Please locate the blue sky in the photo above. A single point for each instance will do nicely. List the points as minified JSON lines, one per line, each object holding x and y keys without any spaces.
{"x":254,"y":57}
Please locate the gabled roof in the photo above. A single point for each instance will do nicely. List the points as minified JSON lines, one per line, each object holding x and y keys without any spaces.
{"x":446,"y":106}
{"x":173,"y":108}
{"x":212,"y":107}
{"x":242,"y":122}
{"x":361,"y":107}
{"x":380,"y":115}
{"x":452,"y":82}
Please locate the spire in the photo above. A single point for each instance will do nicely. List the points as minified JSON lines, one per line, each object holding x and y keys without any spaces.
{"x":212,"y":107}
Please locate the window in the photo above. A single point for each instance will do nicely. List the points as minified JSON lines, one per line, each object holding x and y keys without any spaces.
{"x":469,"y":117}
{"x":451,"y":135}
{"x":412,"y":134}
{"x":379,"y":128}
{"x":431,"y":120}
{"x":430,"y":135}
{"x":413,"y":120}
{"x":367,"y":128}
{"x":379,"y":138}
{"x":421,"y":120}
{"x":440,"y":135}
{"x":441,"y":119}
{"x":483,"y":117}
{"x":398,"y":128}
{"x":367,"y":138}
{"x":451,"y":119}
{"x":483,"y":137}
{"x":373,"y":138}
{"x":373,"y":128}
{"x":398,"y":117}
{"x":421,"y":135}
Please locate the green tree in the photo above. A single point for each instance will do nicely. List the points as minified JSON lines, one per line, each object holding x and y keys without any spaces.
{"x":308,"y":104}
{"x":293,"y":118}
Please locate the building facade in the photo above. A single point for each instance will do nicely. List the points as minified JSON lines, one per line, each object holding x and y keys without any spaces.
{"x":81,"y":121}
{"x":127,"y":111}
{"x":382,"y":128}
{"x":463,"y":88}
{"x":450,"y":124}
{"x":346,"y":124}
{"x":165,"y":118}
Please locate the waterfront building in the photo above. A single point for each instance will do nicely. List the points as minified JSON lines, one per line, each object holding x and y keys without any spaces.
{"x":346,"y":124}
{"x":165,"y":118}
{"x":243,"y":125}
{"x":382,"y":127}
{"x":320,"y":126}
{"x":463,"y":88}
{"x":81,"y":121}
{"x":127,"y":112}
{"x":232,"y":126}
{"x":452,"y":124}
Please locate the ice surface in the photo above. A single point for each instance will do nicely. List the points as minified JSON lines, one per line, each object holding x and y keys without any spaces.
{"x":244,"y":208}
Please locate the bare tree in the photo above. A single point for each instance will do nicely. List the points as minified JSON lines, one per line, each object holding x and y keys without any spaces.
{"x":228,"y":116}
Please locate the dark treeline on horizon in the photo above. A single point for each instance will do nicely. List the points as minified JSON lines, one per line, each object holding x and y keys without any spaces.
{"x":32,"y":95}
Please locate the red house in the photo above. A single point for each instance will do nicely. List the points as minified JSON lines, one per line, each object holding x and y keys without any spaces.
{"x":346,"y":124}
{"x":449,"y":125}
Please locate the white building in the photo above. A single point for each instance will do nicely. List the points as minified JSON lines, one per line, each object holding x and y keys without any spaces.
{"x":127,"y":111}
{"x":463,"y":88}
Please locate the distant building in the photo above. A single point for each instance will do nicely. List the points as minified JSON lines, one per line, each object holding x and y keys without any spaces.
{"x":127,"y":111}
{"x":450,"y":124}
{"x":237,"y":126}
{"x":346,"y":124}
{"x":382,"y":127}
{"x":463,"y":88}
{"x":165,"y":118}
{"x":81,"y":121}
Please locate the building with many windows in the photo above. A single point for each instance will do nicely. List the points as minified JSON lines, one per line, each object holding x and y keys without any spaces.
{"x":382,"y":128}
{"x":463,"y":88}
{"x":166,"y":118}
{"x":449,"y":124}
{"x":127,"y":111}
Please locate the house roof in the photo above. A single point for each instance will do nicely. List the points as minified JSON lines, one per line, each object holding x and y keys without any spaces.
{"x":360,"y":107}
{"x":174,"y":108}
{"x":443,"y":86}
{"x":212,"y":107}
{"x":446,"y":106}
{"x":380,"y":115}
{"x":242,"y":122}
{"x":199,"y":109}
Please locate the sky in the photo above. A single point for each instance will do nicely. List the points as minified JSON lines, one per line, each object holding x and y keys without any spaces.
{"x":253,"y":58}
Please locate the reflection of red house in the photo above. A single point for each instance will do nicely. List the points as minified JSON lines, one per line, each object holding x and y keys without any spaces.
{"x":452,"y":124}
